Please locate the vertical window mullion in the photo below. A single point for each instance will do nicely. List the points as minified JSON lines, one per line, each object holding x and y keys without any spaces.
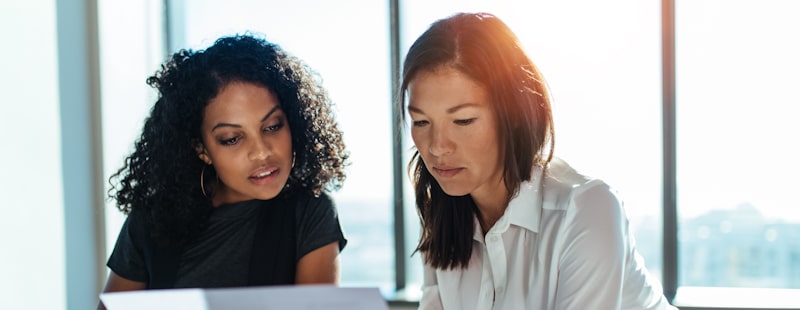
{"x":397,"y":148}
{"x":174,"y":25}
{"x":670,"y":233}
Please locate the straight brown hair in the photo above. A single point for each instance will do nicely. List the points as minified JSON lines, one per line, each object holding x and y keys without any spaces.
{"x":484,"y":48}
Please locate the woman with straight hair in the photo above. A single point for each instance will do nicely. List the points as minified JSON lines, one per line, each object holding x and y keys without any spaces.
{"x":505,"y":224}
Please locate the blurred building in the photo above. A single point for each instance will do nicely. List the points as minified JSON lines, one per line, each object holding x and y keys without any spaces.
{"x":739,"y":248}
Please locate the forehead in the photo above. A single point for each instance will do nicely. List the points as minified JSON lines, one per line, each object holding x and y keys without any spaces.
{"x":443,"y":89}
{"x":240,"y":100}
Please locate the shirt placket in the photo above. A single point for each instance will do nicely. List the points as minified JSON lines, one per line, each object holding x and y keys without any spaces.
{"x":497,"y":262}
{"x":486,"y":292}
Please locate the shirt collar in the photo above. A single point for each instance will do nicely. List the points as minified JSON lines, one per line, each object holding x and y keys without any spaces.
{"x":525,"y":208}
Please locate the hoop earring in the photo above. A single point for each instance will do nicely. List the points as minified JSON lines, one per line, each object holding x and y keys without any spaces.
{"x":202,"y":181}
{"x":293,"y":158}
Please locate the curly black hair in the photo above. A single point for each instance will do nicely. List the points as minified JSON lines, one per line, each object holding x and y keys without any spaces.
{"x":160,"y":181}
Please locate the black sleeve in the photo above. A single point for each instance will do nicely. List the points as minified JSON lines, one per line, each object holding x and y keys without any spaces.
{"x":317,"y":224}
{"x":127,"y":260}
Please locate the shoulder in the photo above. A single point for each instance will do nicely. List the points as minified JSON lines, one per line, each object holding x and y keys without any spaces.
{"x":134,"y":226}
{"x":314,"y":206}
{"x":586,"y":215}
{"x":308,"y":200}
{"x":566,"y":189}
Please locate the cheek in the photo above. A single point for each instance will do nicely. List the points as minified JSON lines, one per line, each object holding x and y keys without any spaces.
{"x":225,"y":173}
{"x":226,"y":164}
{"x":414,"y":137}
{"x":418,"y":138}
{"x":286,"y":144}
{"x":226,"y":161}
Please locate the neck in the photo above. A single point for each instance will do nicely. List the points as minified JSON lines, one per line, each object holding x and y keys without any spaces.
{"x":487,"y":221}
{"x":491,"y":201}
{"x":490,"y":211}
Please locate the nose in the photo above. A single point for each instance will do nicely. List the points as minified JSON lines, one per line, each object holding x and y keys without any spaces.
{"x":259,"y":150}
{"x":440,"y":143}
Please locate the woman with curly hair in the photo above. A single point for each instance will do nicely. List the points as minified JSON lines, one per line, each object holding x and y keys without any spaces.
{"x":505,"y":224}
{"x":228,"y":183}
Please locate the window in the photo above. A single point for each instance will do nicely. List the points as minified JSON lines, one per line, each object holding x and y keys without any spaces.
{"x":739,"y":228}
{"x":128,"y":55}
{"x":346,"y":42}
{"x":605,"y":83}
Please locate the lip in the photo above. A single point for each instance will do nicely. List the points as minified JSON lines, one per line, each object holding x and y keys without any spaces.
{"x":263,"y":175}
{"x":446,"y":171}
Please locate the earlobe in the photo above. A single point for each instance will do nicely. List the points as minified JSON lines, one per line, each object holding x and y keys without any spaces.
{"x":201,"y":153}
{"x":205,"y":158}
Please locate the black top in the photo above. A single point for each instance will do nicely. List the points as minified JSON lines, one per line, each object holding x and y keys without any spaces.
{"x":256,"y":242}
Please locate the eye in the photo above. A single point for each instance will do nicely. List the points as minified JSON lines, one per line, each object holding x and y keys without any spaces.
{"x":464,"y":122}
{"x":419,"y":123}
{"x":273,"y":128}
{"x":230,"y":141}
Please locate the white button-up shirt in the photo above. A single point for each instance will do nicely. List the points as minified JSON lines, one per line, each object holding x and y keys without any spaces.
{"x":562,"y":243}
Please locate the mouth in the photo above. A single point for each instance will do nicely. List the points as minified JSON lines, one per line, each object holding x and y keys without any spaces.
{"x":263,"y":173}
{"x":447,"y":171}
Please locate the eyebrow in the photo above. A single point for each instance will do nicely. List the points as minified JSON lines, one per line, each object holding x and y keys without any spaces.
{"x":414,"y":109}
{"x":274,"y":109}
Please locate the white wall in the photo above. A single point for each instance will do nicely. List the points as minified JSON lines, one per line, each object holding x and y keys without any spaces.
{"x":50,"y":167}
{"x":32,"y":263}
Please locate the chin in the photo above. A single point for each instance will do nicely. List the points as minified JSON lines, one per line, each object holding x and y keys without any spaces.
{"x":454,"y":190}
{"x":269,"y":195}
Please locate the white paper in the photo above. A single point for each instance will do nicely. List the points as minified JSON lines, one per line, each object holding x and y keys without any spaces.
{"x":307,"y":297}
{"x":178,"y":299}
